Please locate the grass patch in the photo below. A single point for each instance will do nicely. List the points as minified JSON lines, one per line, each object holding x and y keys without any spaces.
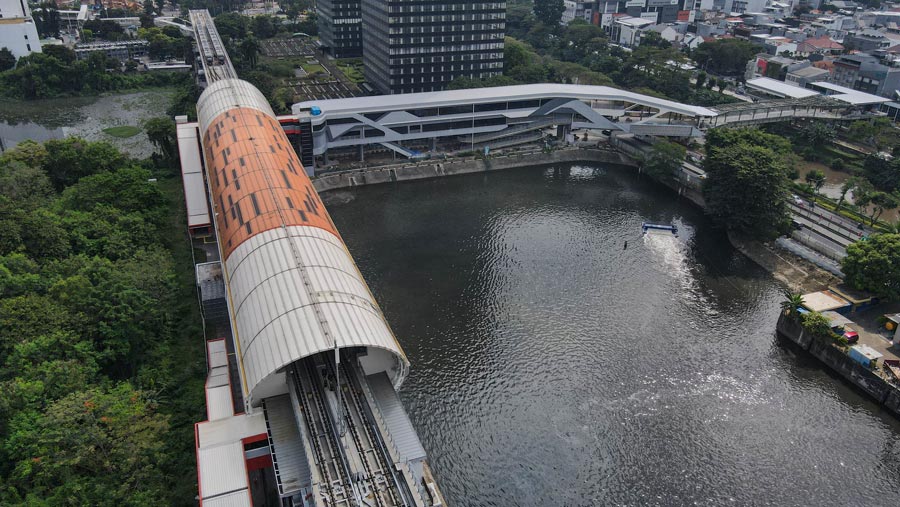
{"x":123,"y":132}
{"x":846,"y":155}
{"x":313,"y":68}
{"x":352,"y":72}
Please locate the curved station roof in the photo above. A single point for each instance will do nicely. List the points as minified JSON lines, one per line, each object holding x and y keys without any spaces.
{"x":294,"y":290}
{"x":499,"y":93}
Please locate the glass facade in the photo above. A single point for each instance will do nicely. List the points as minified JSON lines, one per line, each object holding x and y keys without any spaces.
{"x":340,"y":27}
{"x":420,"y":46}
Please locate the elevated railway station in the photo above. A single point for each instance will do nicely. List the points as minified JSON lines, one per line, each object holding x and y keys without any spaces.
{"x":415,"y":124}
{"x":303,"y":369}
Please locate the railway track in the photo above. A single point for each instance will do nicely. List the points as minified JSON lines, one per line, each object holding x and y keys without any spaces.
{"x":353,"y":465}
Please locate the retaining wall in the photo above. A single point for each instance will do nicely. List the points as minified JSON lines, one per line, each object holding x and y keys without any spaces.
{"x":451,"y":167}
{"x":829,"y":353}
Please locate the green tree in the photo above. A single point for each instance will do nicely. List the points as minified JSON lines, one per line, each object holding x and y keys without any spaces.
{"x":877,"y":202}
{"x":884,"y":174}
{"x":7,"y":59}
{"x":665,"y":160}
{"x":231,"y":25}
{"x":72,"y":158}
{"x":817,"y":134}
{"x":93,"y":447}
{"x":816,"y":179}
{"x":746,"y":187}
{"x":549,"y":11}
{"x":250,"y":50}
{"x":724,"y":56}
{"x":161,"y":132}
{"x":701,"y":78}
{"x":263,"y":27}
{"x":848,"y":185}
{"x":816,"y":323}
{"x":874,"y":265}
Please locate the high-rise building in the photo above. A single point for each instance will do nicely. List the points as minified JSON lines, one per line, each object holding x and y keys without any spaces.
{"x":340,"y":27}
{"x":418,"y":46}
{"x":18,"y":32}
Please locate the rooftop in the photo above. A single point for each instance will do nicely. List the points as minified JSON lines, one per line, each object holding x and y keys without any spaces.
{"x":779,"y":88}
{"x":361,"y":105}
{"x":823,"y":300}
{"x":848,"y":95}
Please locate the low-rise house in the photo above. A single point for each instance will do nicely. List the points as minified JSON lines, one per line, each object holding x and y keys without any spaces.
{"x":802,"y":77}
{"x":819,"y":45}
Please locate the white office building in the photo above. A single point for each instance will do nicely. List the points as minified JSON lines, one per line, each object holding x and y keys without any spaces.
{"x":18,"y":32}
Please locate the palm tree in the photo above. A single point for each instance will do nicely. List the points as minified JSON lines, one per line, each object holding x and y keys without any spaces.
{"x":848,"y":186}
{"x":792,"y":302}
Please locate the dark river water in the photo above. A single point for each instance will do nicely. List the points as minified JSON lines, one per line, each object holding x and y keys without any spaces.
{"x":552,"y":366}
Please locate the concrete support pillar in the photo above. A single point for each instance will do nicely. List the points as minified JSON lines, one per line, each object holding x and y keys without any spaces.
{"x":433,"y":144}
{"x":362,"y":156}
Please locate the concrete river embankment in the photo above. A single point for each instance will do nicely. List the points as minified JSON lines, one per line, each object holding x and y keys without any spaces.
{"x":835,"y":358}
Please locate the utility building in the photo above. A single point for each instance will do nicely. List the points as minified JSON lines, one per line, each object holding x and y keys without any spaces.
{"x":422,"y":46}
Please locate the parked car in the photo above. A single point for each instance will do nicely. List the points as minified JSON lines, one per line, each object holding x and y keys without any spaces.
{"x":798,"y":201}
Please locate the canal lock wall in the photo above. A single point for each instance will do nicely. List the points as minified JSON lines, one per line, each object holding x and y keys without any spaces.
{"x":451,"y":167}
{"x":826,"y":351}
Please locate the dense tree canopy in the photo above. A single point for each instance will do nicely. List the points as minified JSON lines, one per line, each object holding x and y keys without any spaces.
{"x":724,"y":56}
{"x":549,"y":11}
{"x":7,"y":59}
{"x":56,"y":72}
{"x":90,"y":312}
{"x":884,"y":174}
{"x":874,"y":265}
{"x":747,"y":186}
{"x":664,"y":160}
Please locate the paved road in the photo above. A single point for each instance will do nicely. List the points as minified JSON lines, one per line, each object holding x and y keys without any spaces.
{"x":825,"y":231}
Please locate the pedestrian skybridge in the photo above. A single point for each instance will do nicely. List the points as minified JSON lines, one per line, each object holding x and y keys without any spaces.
{"x":477,"y":119}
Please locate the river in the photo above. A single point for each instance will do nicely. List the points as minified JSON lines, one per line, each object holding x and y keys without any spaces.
{"x":553,"y":366}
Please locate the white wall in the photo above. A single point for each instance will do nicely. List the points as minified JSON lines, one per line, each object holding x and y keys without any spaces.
{"x":14,"y":9}
{"x":20,"y":37}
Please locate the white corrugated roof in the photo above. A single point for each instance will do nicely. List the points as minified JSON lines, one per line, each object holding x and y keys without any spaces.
{"x":236,"y":499}
{"x":280,"y":319}
{"x":395,"y":418}
{"x":218,"y":355}
{"x":850,"y":95}
{"x":780,"y":88}
{"x":226,"y":94}
{"x":213,"y":433}
{"x":485,"y":95}
{"x":192,"y":175}
{"x":218,"y":402}
{"x":221,"y":464}
{"x":222,"y":469}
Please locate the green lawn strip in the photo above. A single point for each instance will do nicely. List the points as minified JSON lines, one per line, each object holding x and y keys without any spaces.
{"x":312,"y":68}
{"x":124,"y":131}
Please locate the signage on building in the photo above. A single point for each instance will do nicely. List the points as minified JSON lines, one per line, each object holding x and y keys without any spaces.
{"x":684,"y":15}
{"x":650,"y":15}
{"x":606,"y":20}
{"x":635,"y":3}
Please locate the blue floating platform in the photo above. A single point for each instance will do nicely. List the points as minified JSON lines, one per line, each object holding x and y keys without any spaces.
{"x":647,"y":226}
